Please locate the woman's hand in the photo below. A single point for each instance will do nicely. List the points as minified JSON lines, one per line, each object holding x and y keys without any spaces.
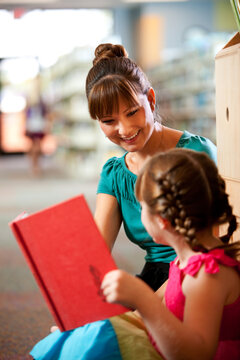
{"x":121,"y":287}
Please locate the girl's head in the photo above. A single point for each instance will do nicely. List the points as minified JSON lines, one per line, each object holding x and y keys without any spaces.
{"x":184,"y":187}
{"x":113,"y":76}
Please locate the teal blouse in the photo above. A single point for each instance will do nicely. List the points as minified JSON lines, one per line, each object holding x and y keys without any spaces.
{"x":117,"y":180}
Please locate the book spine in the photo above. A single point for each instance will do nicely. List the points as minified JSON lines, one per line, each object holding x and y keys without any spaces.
{"x":37,"y":275}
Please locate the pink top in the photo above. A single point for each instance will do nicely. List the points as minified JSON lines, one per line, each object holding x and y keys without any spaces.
{"x":229,"y":339}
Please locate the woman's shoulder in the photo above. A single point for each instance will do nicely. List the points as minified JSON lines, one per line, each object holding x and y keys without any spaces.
{"x":114,"y":164}
{"x":116,"y":179}
{"x":198,"y":143}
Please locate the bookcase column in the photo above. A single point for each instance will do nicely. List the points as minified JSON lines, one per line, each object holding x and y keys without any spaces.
{"x":150,"y":35}
{"x":227,"y":72}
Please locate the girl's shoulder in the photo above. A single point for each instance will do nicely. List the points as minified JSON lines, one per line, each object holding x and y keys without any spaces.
{"x":211,"y":262}
{"x":226,"y":279}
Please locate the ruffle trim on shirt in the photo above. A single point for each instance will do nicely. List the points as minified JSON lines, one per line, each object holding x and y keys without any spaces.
{"x":210,"y":261}
{"x":105,"y":184}
{"x":195,"y":139}
{"x":123,"y":180}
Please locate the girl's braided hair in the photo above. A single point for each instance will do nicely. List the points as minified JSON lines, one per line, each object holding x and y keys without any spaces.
{"x":184,"y":187}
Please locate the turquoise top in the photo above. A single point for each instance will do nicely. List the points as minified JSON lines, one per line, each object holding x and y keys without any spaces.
{"x":117,"y":180}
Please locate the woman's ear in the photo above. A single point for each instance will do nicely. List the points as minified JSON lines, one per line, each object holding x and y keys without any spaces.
{"x":151,"y":98}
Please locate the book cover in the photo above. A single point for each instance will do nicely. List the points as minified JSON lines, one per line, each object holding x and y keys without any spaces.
{"x":68,"y":258}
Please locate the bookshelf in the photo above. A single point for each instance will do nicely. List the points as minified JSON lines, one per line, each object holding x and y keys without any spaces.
{"x":185,"y":92}
{"x":82,"y":148}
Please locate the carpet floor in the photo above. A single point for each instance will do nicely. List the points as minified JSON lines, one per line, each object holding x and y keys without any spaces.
{"x":24,"y":316}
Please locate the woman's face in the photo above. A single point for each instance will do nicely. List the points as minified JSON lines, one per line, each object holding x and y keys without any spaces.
{"x":132,"y":126}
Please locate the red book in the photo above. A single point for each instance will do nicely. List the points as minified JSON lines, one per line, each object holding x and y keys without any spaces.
{"x":68,"y":258}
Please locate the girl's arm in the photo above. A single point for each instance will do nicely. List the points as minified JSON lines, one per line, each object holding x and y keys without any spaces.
{"x":194,"y":338}
{"x":197,"y":336}
{"x":161,"y":291}
{"x":108,"y":218}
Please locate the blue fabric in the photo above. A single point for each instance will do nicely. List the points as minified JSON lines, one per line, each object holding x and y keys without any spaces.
{"x":95,"y":341}
{"x":117,"y":180}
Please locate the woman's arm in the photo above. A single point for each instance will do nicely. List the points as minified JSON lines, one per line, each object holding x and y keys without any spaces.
{"x":108,"y":218}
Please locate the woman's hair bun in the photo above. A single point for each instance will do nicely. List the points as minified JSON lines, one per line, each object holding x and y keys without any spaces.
{"x":106,"y":51}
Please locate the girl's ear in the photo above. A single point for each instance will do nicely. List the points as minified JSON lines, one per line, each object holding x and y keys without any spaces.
{"x":163,"y":223}
{"x":151,"y":98}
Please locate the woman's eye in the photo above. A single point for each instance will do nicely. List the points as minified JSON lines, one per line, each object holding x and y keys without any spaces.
{"x":107,"y":122}
{"x":131,"y":113}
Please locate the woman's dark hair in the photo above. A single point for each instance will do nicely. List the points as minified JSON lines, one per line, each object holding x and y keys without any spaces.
{"x":113,"y":75}
{"x":184,"y":187}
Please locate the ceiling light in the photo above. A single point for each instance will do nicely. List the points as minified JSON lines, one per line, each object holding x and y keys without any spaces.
{"x":23,"y":2}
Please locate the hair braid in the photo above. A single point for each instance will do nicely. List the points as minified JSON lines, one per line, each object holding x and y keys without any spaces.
{"x":170,"y":206}
{"x":222,"y":211}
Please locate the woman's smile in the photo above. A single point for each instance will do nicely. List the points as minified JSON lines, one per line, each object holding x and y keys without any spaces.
{"x":132,"y":138}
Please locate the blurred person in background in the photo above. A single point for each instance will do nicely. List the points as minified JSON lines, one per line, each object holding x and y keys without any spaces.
{"x":37,"y":127}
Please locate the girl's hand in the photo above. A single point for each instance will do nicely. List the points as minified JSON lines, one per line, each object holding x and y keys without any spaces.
{"x":53,"y":328}
{"x":121,"y":287}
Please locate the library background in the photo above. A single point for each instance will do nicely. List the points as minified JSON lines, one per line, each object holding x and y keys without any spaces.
{"x":46,"y":54}
{"x":46,"y":51}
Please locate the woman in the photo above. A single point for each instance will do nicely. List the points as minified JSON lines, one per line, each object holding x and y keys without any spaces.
{"x":121,"y":98}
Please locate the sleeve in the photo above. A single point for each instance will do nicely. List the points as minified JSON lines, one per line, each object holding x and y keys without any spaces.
{"x":200,"y":143}
{"x":106,"y":182}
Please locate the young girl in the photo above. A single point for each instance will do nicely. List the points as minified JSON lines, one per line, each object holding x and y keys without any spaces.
{"x":195,"y":314}
{"x":121,"y":99}
{"x":182,"y":197}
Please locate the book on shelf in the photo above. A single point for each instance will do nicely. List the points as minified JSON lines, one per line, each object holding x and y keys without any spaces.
{"x":236,"y":10}
{"x":68,"y":258}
